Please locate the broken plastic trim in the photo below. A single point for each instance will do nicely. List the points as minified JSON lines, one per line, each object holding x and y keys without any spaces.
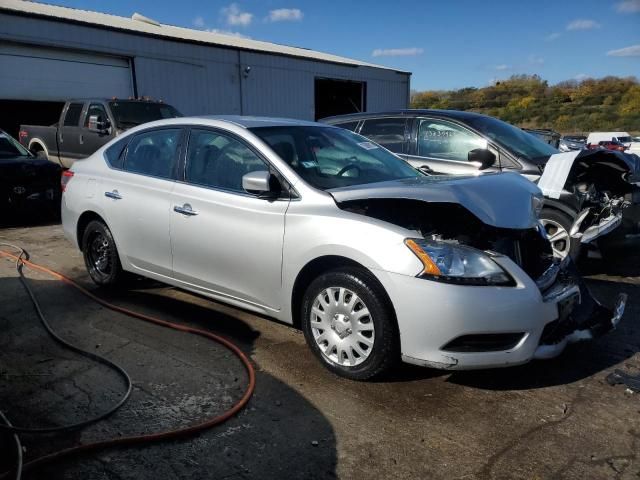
{"x":604,"y":320}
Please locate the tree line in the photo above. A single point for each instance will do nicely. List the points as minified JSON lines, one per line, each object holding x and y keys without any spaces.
{"x":573,"y":106}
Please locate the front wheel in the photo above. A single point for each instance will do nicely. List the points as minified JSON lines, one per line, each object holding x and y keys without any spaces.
{"x":558,"y":225}
{"x":101,"y":255}
{"x":349,"y":324}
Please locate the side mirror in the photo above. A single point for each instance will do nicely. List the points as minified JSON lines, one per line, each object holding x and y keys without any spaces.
{"x":482,"y":156}
{"x":258,"y":182}
{"x":98,"y":124}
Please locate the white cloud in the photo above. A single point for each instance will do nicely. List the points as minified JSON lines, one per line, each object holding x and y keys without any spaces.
{"x":631,"y":51}
{"x":536,"y":60}
{"x":397,"y":52}
{"x":581,"y":76}
{"x":628,"y":6}
{"x":285,"y":15}
{"x":503,"y":67}
{"x":552,"y":36}
{"x":233,"y":15}
{"x":583,"y":24}
{"x":198,"y":22}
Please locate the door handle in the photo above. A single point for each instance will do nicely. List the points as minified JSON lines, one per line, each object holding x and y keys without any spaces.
{"x":81,"y":139}
{"x":185,"y":210}
{"x":114,"y":194}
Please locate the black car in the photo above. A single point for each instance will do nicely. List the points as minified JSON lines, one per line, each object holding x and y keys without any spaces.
{"x":28,"y":185}
{"x":584,"y":195}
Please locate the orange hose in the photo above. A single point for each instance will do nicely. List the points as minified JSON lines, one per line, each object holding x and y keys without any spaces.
{"x":151,"y":437}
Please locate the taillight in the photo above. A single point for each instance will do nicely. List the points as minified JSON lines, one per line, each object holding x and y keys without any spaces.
{"x":67,"y":175}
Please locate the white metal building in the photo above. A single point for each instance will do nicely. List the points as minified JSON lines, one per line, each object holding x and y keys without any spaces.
{"x":50,"y":53}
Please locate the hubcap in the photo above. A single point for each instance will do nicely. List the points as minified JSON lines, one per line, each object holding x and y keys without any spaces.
{"x":342,"y":326}
{"x":99,"y":252}
{"x":558,"y":236}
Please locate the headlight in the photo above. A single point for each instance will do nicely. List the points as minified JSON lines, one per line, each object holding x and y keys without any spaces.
{"x":452,"y":263}
{"x":537,"y":203}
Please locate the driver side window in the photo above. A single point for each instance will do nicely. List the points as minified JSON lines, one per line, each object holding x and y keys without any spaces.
{"x":219,"y":161}
{"x":97,"y":110}
{"x":446,"y":140}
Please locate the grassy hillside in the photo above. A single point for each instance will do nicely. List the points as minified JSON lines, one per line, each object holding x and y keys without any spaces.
{"x":608,"y":103}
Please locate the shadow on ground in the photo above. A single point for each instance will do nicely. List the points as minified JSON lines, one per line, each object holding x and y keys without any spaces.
{"x":178,"y":379}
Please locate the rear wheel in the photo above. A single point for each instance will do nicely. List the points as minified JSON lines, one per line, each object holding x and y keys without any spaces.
{"x":349,"y":324}
{"x":101,"y":255}
{"x":558,"y":225}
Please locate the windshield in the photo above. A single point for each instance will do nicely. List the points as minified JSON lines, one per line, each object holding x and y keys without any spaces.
{"x":328,"y":157}
{"x":128,"y":114}
{"x":624,"y":139}
{"x":10,"y":148}
{"x":517,"y":141}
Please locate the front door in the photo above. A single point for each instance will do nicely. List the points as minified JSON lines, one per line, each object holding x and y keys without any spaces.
{"x":91,"y":140}
{"x":137,"y":200}
{"x":225,"y":240}
{"x":442,"y":147}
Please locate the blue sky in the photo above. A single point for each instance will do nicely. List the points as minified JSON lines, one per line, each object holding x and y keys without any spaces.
{"x":446,"y":44}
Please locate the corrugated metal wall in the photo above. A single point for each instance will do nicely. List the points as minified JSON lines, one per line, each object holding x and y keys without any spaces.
{"x":200,"y":79}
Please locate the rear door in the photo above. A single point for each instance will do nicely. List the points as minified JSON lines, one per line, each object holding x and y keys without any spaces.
{"x":90,"y":140}
{"x":69,"y":133}
{"x":137,"y":199}
{"x":442,"y":147}
{"x":224,"y":240}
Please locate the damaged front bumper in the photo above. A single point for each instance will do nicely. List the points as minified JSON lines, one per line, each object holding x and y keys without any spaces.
{"x":605,"y":225}
{"x":456,"y":327}
{"x":580,"y":316}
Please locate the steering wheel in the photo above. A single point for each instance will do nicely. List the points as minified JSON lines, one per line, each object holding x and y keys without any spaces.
{"x":347,"y":167}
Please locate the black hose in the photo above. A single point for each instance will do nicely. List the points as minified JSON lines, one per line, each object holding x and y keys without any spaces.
{"x":6,"y":426}
{"x":16,"y":441}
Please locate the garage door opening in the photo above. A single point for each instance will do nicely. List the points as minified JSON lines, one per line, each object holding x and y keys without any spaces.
{"x":339,"y":97}
{"x":14,"y":113}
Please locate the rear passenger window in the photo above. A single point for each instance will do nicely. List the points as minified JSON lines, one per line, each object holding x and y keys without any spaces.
{"x":72,"y":118}
{"x":153,"y":153}
{"x":388,"y":132}
{"x":219,"y":161}
{"x":114,"y":153}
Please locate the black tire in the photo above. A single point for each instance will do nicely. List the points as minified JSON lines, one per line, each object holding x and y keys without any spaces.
{"x":385,"y":352}
{"x":101,"y":255}
{"x":566,"y":222}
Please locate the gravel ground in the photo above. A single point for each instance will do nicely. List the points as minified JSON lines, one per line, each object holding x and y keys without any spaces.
{"x":553,"y":419}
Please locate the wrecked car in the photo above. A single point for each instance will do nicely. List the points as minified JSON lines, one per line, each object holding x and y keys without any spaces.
{"x":321,"y":228}
{"x":585,"y":194}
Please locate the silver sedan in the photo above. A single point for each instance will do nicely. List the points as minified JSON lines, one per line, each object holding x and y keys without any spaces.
{"x":321,"y":228}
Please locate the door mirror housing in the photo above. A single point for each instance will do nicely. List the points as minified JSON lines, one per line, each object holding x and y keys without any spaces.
{"x":98,"y":124}
{"x":260,"y":183}
{"x":482,"y":156}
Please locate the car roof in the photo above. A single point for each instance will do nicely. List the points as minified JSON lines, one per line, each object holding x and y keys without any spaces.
{"x":409,"y":112}
{"x":248,"y":121}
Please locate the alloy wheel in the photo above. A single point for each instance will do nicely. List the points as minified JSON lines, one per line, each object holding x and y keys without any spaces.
{"x":558,"y":237}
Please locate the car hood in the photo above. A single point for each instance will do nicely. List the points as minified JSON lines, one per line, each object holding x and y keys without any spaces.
{"x":21,"y":167}
{"x":503,"y":200}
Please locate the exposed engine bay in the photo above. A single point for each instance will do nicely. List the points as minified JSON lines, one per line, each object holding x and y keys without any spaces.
{"x":454,"y":223}
{"x":598,"y":184}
